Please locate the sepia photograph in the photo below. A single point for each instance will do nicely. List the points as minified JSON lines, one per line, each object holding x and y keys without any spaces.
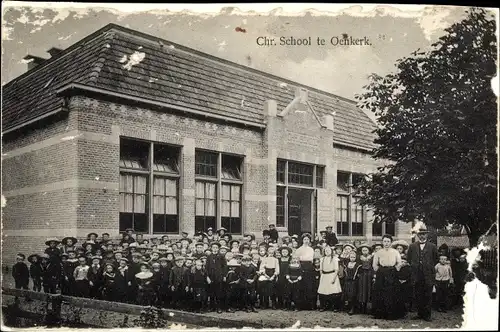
{"x":251,"y":166}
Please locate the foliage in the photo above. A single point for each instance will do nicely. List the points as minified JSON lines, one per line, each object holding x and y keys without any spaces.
{"x":437,"y":117}
{"x":151,"y":318}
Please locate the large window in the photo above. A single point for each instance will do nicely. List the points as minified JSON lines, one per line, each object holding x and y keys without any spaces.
{"x":294,"y":174}
{"x":350,"y":214}
{"x":381,"y":228}
{"x":149,"y":170}
{"x":218,"y":179}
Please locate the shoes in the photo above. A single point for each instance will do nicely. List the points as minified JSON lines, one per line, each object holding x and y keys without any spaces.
{"x":321,"y":309}
{"x":230,"y":310}
{"x":219,"y":311}
{"x":253,"y":310}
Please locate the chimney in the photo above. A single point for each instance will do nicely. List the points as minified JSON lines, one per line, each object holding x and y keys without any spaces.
{"x":302,"y":94}
{"x":33,"y":61}
{"x":54,"y":51}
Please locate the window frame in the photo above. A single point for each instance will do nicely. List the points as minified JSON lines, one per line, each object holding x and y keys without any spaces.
{"x":150,"y":174}
{"x":352,"y":209}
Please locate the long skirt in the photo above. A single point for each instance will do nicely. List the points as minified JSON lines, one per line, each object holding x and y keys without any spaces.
{"x":365,"y":285}
{"x":309,"y":293}
{"x":386,"y":295}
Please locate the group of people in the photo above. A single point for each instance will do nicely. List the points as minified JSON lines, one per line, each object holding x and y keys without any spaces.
{"x":212,"y":271}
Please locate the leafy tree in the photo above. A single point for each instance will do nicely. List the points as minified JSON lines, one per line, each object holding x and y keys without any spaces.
{"x":437,"y":117}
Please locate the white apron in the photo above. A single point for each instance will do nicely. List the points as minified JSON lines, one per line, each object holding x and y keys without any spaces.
{"x":329,"y":283}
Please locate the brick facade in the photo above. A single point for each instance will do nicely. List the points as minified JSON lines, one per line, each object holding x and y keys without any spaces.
{"x":64,"y":179}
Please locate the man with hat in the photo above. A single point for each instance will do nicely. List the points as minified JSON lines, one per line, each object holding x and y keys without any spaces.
{"x":330,"y":236}
{"x":423,"y":256}
{"x":216,"y":268}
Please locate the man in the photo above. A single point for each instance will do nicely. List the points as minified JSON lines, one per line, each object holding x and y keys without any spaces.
{"x":423,"y":256}
{"x":331,"y":238}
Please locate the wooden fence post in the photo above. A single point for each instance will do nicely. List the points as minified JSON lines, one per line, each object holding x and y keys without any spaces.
{"x":53,"y":317}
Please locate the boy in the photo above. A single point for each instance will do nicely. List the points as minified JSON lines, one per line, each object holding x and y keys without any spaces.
{"x":404,"y":277}
{"x":20,"y":272}
{"x":267,"y":236}
{"x":81,"y":276}
{"x":444,"y":278}
{"x":164,"y":292}
{"x":51,"y":273}
{"x":198,"y":250}
{"x":96,"y":272}
{"x":35,"y":272}
{"x":178,"y":283}
{"x":248,"y":278}
{"x":273,"y":233}
{"x":216,"y":268}
{"x":198,"y":285}
{"x":232,"y":280}
{"x":69,"y":265}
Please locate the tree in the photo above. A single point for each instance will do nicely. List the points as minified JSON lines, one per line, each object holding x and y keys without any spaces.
{"x":437,"y":118}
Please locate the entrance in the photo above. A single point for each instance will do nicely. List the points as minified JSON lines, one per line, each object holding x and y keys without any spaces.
{"x":301,"y":210}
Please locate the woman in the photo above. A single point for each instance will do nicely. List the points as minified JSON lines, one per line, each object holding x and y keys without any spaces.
{"x":329,"y":289}
{"x":386,"y":297}
{"x":305,"y":254}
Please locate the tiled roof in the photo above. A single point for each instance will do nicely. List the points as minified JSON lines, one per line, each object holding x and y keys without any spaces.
{"x":174,"y":74}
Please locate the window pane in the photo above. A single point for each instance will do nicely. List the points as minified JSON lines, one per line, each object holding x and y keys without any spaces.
{"x":200,"y":207}
{"x":320,"y":172}
{"x":140,"y":222}
{"x":134,"y":154}
{"x":210,"y":207}
{"x":342,"y":221}
{"x":226,"y":192}
{"x":129,"y":203}
{"x":356,"y":180}
{"x":210,"y":191}
{"x":235,"y":209}
{"x":125,"y":221}
{"x":171,"y":206}
{"x":357,"y":229}
{"x":165,"y":224}
{"x":166,"y":158}
{"x":390,"y":228}
{"x":235,"y":192}
{"x":231,"y":167}
{"x":171,"y":187}
{"x":226,"y":209}
{"x":202,"y":223}
{"x":159,"y":204}
{"x":280,"y":206}
{"x":280,"y":171}
{"x":233,"y":225}
{"x":342,"y":181}
{"x":140,"y":184}
{"x":206,"y":163}
{"x":377,"y":229}
{"x":126,"y":183}
{"x":200,"y":189}
{"x":300,"y":174}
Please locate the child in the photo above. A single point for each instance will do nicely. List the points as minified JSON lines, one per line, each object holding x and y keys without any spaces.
{"x":351,"y":282}
{"x":293,"y":291}
{"x":216,"y":268}
{"x":35,"y":272}
{"x":178,"y":283}
{"x":444,"y":278}
{"x":459,"y":271}
{"x":145,"y":292}
{"x":68,"y":243}
{"x":232,"y":286}
{"x":69,"y":265}
{"x":267,"y":236}
{"x":52,"y":249}
{"x":317,"y":275}
{"x":198,"y":284}
{"x":51,"y":273}
{"x":163,"y":290}
{"x":365,"y":277}
{"x":109,"y":283}
{"x":346,"y":253}
{"x":269,"y":271}
{"x":81,"y":276}
{"x":248,"y":278}
{"x":123,"y":280}
{"x":21,"y":273}
{"x":273,"y":233}
{"x":134,"y":269}
{"x":156,"y":280}
{"x":284,"y":262}
{"x":405,"y":284}
{"x":329,"y":289}
{"x":95,"y":277}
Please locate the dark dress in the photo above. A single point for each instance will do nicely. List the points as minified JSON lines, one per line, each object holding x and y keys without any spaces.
{"x":365,"y":281}
{"x":386,"y":299}
{"x":309,"y":293}
{"x":145,"y":292}
{"x":248,"y":289}
{"x":232,"y":299}
{"x":109,"y":291}
{"x":405,"y":285}
{"x":216,"y":268}
{"x":294,"y":291}
{"x":198,"y":283}
{"x":351,"y":277}
{"x":281,"y":284}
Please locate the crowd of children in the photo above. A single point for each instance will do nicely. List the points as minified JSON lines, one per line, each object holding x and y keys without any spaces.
{"x":214,"y":272}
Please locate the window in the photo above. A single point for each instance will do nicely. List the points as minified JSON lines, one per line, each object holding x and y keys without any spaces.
{"x":342,"y":215}
{"x":351,"y":214}
{"x":381,"y":228}
{"x":291,"y":174}
{"x":144,"y":207}
{"x":320,"y":174}
{"x":300,"y":174}
{"x":280,"y":206}
{"x":231,"y":208}
{"x":206,"y":206}
{"x":206,"y":163}
{"x":226,"y":184}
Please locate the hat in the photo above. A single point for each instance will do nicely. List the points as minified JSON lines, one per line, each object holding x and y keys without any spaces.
{"x":246,"y":258}
{"x":266,"y":232}
{"x":96,"y":257}
{"x":204,"y":256}
{"x":199,"y":244}
{"x":224,"y":247}
{"x":272,"y":225}
{"x":233,"y":263}
{"x":179,"y":258}
{"x":186,"y":239}
{"x":234,"y":241}
{"x":124,"y":259}
{"x":349,"y":245}
{"x":92,"y":233}
{"x":129,"y":229}
{"x":222,"y":229}
{"x":144,"y":264}
{"x":422,"y":229}
{"x":52,"y":239}
{"x":45,"y":256}
{"x":263,"y":244}
{"x":209,"y":229}
{"x":322,"y":232}
{"x":287,"y":249}
{"x":117,"y":252}
{"x":21,"y":255}
{"x":244,"y":246}
{"x":169,"y":251}
{"x":136,"y":254}
{"x":65,"y":240}
{"x":364,"y":245}
{"x":185,"y":233}
{"x":63,"y":254}
{"x":110,"y":264}
{"x":156,"y":251}
{"x":329,"y":226}
{"x":161,"y":259}
{"x":378,"y":244}
{"x":155,"y":264}
{"x":161,"y":247}
{"x":215,"y":243}
{"x":144,"y":275}
{"x":402,"y":243}
{"x":30,"y":257}
{"x":295,"y":236}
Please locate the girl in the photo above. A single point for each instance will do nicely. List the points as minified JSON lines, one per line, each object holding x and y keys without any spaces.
{"x":386,"y":301}
{"x":284,"y":262}
{"x":68,"y":243}
{"x":35,"y":272}
{"x":351,"y":282}
{"x":109,"y":283}
{"x":293,"y":290}
{"x":145,"y":293}
{"x":306,"y":254}
{"x":269,"y":271}
{"x":317,"y":275}
{"x":156,"y":280}
{"x":329,"y":289}
{"x":346,"y":253}
{"x":365,"y":277}
{"x":405,"y":284}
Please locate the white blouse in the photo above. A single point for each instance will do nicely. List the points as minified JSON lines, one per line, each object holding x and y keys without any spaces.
{"x":386,"y":257}
{"x":270,"y":263}
{"x":305,"y":253}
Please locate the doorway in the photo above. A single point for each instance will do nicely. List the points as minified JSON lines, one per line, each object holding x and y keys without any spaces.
{"x":300,"y":210}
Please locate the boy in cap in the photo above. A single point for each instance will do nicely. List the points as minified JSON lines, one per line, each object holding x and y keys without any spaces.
{"x":178,"y":283}
{"x":198,"y":286}
{"x":104,"y":239}
{"x":248,"y":279}
{"x":20,"y":272}
{"x":267,"y":236}
{"x":52,"y":249}
{"x":216,"y":268}
{"x":273,"y":233}
{"x":232,"y":280}
{"x":95,"y":277}
{"x":330,"y":237}
{"x":68,"y":281}
{"x":51,"y":273}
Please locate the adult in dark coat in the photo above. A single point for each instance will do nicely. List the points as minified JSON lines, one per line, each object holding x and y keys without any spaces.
{"x":423,"y":256}
{"x":216,"y":267}
{"x":331,"y":238}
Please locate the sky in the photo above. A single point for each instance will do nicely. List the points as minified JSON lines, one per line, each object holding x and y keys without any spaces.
{"x":394,"y":32}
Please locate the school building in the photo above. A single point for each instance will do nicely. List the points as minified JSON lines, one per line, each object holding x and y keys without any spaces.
{"x":124,"y":129}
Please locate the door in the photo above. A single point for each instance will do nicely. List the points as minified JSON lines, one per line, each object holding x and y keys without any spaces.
{"x":300,"y":210}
